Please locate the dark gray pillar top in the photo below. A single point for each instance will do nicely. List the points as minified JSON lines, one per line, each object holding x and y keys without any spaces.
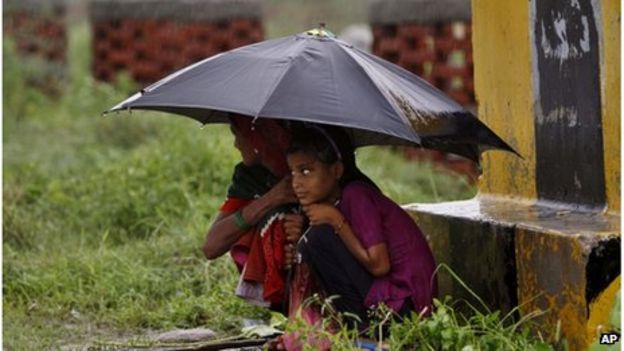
{"x":180,"y":10}
{"x":418,"y":11}
{"x":39,"y":6}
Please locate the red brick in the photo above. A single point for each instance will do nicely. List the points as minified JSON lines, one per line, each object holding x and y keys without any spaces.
{"x":391,"y":45}
{"x":120,"y":56}
{"x":461,"y":97}
{"x":159,"y":47}
{"x":469,"y":85}
{"x":415,"y":30}
{"x":446,"y":72}
{"x":378,"y":33}
{"x":448,"y":44}
{"x":146,"y":72}
{"x":241,"y":25}
{"x":416,"y":57}
{"x":151,"y":26}
{"x":256,"y":34}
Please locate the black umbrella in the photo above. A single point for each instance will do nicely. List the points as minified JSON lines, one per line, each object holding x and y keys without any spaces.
{"x":315,"y":77}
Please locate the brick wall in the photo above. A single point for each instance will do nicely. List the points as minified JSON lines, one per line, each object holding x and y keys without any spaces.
{"x":431,"y":39}
{"x":38,"y":29}
{"x":441,"y":53}
{"x":150,"y":39}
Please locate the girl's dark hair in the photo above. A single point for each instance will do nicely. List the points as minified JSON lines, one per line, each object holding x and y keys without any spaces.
{"x":328,"y":144}
{"x":313,"y":140}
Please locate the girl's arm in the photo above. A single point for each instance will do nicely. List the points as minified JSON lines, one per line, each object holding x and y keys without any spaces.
{"x":224,"y":231}
{"x":375,"y":259}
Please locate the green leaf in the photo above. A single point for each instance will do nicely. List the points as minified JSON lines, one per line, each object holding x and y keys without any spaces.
{"x":614,"y":318}
{"x":260,"y":331}
{"x":543,"y":347}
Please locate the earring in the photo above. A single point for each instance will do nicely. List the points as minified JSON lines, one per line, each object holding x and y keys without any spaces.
{"x":256,"y":151}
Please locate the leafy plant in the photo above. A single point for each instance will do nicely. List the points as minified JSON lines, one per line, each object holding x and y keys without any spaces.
{"x":446,"y":328}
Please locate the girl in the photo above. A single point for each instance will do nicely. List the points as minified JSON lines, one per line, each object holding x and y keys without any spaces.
{"x":361,"y":245}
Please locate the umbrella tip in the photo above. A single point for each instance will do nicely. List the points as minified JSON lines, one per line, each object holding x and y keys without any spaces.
{"x":321,"y":31}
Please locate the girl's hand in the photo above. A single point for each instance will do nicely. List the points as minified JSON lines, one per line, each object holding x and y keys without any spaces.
{"x":323,"y":213}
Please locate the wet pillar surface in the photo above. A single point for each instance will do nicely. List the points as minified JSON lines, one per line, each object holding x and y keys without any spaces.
{"x":544,"y":230}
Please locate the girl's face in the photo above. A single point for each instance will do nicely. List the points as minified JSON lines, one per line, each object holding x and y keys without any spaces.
{"x":243,"y":145}
{"x":312,"y":180}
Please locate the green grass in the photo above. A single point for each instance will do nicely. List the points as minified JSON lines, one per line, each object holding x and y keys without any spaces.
{"x":103,"y":217}
{"x":445,"y":329}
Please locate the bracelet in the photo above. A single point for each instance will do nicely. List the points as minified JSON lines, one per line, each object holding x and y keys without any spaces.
{"x":344,"y":220}
{"x":240,"y":221}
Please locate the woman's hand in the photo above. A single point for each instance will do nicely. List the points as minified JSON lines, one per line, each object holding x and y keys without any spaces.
{"x":224,"y":231}
{"x":282,"y":192}
{"x":293,"y":226}
{"x":323,"y":213}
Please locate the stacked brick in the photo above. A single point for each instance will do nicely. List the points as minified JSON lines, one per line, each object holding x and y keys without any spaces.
{"x":38,"y":30}
{"x":432,"y":39}
{"x":150,"y":38}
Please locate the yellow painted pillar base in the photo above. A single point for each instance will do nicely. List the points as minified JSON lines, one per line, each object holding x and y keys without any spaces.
{"x":520,"y":253}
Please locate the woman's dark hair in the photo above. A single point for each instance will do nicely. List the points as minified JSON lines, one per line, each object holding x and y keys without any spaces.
{"x":329,"y":144}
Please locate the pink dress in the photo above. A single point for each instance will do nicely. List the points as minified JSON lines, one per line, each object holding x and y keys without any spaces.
{"x":376,"y":219}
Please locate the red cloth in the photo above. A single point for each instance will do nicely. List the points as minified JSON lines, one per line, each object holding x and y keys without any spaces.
{"x":273,"y":241}
{"x":302,"y":287}
{"x":240,"y":249}
{"x":261,"y":252}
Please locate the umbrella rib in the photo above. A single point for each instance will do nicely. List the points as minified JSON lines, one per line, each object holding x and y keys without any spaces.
{"x":277,"y":83}
{"x":381,"y":91}
{"x":170,"y":77}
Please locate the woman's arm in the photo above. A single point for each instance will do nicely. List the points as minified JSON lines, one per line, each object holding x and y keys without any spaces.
{"x":224,"y":232}
{"x":375,"y":259}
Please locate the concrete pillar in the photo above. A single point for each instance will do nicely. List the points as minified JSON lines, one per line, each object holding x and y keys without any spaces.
{"x":151,"y":38}
{"x":544,"y":231}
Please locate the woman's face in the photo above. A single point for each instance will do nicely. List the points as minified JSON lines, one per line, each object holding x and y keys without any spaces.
{"x":248,"y":154}
{"x":312,"y":180}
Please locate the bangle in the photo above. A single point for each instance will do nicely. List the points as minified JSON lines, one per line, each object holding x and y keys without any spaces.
{"x":344,"y":220}
{"x":240,"y":221}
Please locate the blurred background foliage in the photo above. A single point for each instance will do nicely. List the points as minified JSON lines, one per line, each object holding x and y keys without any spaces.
{"x":103,"y":217}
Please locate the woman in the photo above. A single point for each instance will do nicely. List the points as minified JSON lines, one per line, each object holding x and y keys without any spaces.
{"x":250,"y":223}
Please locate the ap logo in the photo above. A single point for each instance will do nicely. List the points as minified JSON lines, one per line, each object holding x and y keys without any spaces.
{"x":609,"y":338}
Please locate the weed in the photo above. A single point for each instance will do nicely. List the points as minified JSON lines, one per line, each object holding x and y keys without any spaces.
{"x":444,"y":329}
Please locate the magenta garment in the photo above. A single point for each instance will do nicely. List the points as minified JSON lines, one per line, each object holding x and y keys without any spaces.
{"x":376,"y":219}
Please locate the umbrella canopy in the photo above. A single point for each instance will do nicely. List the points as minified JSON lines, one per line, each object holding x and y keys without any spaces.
{"x":314,"y":77}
